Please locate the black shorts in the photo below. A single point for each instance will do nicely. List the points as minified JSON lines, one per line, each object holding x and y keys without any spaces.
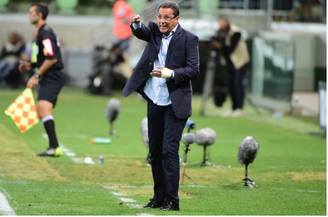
{"x":50,"y":85}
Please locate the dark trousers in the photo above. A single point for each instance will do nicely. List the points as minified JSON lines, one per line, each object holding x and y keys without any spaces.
{"x":164,"y":130}
{"x":236,"y":87}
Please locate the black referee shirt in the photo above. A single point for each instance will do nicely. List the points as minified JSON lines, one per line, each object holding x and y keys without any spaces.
{"x":48,"y":48}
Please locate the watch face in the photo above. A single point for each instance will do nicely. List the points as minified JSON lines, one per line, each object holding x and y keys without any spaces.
{"x":36,"y":75}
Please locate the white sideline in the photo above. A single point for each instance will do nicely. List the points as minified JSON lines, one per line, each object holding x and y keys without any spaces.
{"x":67,"y":151}
{"x":131,"y":203}
{"x":5,"y":208}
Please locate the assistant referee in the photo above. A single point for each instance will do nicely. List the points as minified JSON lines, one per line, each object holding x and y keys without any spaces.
{"x":49,"y":74}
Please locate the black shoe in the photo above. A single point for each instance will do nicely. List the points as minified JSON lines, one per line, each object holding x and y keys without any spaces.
{"x":52,"y":152}
{"x":154,"y":204}
{"x":170,"y":206}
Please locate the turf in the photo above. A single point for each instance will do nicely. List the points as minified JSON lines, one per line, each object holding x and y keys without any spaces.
{"x":290,"y":167}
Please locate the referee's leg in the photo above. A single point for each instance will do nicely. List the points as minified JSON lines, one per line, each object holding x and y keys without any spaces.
{"x":44,"y":109}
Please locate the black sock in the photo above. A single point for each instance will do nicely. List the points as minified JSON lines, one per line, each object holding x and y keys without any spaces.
{"x":49,"y":125}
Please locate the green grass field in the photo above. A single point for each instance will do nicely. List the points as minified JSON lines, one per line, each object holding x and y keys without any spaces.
{"x":290,"y":167}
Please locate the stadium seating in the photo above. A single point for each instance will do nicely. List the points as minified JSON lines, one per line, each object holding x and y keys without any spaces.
{"x":3,"y":5}
{"x":67,"y":6}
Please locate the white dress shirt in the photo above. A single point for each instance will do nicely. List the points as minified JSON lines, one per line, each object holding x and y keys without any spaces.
{"x":156,"y":88}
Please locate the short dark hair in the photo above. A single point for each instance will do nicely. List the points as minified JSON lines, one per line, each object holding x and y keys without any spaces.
{"x":226,"y":20}
{"x":173,"y":5}
{"x":42,"y":8}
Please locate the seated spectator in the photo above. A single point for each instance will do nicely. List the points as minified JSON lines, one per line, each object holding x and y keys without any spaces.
{"x":31,"y":50}
{"x":10,"y":55}
{"x":305,"y":10}
{"x":114,"y":73}
{"x":283,"y":8}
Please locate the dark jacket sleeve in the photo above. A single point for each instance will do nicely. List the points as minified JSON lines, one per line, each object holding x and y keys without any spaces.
{"x":142,"y":33}
{"x":234,"y":40}
{"x":3,"y":52}
{"x":191,"y":68}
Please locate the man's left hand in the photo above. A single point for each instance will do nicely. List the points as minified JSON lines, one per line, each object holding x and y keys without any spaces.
{"x":32,"y":82}
{"x":162,"y":72}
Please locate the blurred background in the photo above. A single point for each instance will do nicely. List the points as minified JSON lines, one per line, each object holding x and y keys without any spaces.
{"x":286,"y":40}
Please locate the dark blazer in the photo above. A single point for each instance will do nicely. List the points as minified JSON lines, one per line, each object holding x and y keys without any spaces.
{"x":182,"y":57}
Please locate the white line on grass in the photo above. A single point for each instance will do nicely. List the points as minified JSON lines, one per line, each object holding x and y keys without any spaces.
{"x":312,"y":191}
{"x":131,"y":203}
{"x":67,"y":151}
{"x":134,"y":206}
{"x":77,"y":160}
{"x":129,"y":186}
{"x":129,"y":200}
{"x":301,"y":191}
{"x":5,"y":208}
{"x":145,"y":214}
{"x":75,"y":136}
{"x":70,"y":154}
{"x":117,"y":194}
{"x":149,"y":186}
{"x":301,"y":166}
{"x":7,"y":195}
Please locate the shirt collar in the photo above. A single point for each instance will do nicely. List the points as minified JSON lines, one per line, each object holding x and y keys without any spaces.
{"x":171,"y":33}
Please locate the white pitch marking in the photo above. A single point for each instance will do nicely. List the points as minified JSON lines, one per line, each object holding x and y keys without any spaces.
{"x":279,"y":167}
{"x":5,"y":208}
{"x":129,"y":200}
{"x":134,"y":206}
{"x":109,"y":187}
{"x":312,"y":191}
{"x":75,"y":136}
{"x":6,"y":194}
{"x":130,"y":186}
{"x":66,"y":151}
{"x":117,"y":194}
{"x":113,"y":190}
{"x":44,"y":135}
{"x":78,"y":160}
{"x":193,"y":186}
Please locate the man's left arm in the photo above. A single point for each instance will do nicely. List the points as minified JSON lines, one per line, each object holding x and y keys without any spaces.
{"x":46,"y":65}
{"x":191,"y":68}
{"x":233,"y":43}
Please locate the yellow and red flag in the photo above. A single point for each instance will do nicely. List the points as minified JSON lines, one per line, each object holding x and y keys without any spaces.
{"x":23,"y":111}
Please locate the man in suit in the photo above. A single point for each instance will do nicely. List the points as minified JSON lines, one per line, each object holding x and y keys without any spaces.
{"x":162,"y":76}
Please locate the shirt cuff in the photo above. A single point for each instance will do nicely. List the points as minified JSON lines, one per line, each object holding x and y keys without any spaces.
{"x":136,"y":25}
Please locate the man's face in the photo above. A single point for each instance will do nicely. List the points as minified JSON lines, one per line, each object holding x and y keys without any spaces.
{"x":33,"y":16}
{"x":223,"y":25}
{"x":13,"y":38}
{"x":165,"y":23}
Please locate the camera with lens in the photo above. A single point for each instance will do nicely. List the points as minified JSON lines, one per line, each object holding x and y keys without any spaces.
{"x":219,"y":36}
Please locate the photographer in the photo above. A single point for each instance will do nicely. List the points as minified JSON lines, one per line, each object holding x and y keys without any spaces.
{"x":234,"y":56}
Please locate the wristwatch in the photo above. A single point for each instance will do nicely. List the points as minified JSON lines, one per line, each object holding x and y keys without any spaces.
{"x":36,"y":75}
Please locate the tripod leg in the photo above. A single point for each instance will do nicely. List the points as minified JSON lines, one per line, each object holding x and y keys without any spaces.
{"x":183,"y":172}
{"x":204,"y":156}
{"x":246,"y":171}
{"x":246,"y":174}
{"x":111,"y":132}
{"x":208,"y":82}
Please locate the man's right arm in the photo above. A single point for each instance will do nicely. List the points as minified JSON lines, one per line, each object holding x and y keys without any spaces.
{"x":136,"y":25}
{"x":139,"y":30}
